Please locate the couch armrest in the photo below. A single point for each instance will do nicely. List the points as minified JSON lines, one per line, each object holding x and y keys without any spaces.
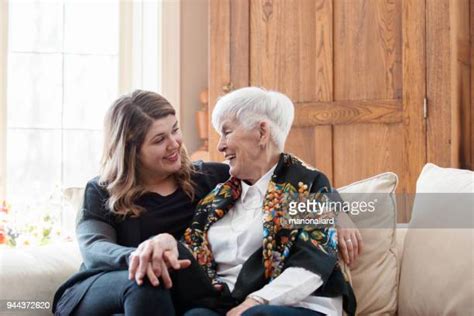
{"x":35,"y":273}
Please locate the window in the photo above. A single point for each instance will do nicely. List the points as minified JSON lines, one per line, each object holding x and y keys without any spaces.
{"x":67,"y":61}
{"x":62,"y":76}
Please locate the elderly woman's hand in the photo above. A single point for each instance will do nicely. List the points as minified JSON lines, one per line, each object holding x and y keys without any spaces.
{"x":153,"y":257}
{"x":349,"y":239}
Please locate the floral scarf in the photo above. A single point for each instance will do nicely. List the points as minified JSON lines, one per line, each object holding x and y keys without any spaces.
{"x":291,"y":176}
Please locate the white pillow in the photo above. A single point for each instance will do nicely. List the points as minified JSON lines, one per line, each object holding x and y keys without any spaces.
{"x":437,"y":271}
{"x":434,"y":179}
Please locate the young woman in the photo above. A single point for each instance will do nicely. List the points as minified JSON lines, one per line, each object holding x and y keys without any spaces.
{"x":147,"y":186}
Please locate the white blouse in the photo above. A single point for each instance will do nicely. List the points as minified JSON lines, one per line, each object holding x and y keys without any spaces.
{"x":236,"y":236}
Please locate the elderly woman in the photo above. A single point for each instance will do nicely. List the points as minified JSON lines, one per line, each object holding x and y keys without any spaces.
{"x":243,"y":260}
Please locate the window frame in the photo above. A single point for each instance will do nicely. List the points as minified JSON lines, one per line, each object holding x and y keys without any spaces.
{"x":3,"y":95}
{"x":169,"y":48}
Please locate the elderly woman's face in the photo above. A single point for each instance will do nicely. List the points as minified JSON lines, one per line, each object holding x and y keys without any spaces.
{"x":241,"y":148}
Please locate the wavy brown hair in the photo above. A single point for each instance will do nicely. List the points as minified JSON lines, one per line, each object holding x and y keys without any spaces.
{"x":126,"y":124}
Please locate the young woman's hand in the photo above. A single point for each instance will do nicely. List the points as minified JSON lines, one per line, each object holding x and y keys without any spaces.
{"x":153,"y":257}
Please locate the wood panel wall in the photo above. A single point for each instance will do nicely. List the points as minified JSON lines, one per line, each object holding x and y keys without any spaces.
{"x":368,"y":66}
{"x":449,"y":129}
{"x":464,"y":18}
{"x":469,"y":142}
{"x":358,"y":73}
{"x":463,"y":45}
{"x":299,"y":66}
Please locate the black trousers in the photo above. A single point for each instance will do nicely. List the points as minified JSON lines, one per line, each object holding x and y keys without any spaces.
{"x":110,"y":292}
{"x":114,"y":293}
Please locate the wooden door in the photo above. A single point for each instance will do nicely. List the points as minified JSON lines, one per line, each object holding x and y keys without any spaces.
{"x":354,"y":69}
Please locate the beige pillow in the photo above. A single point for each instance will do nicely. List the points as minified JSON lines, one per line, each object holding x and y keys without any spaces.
{"x":375,"y":275}
{"x":75,"y":197}
{"x":437,"y":271}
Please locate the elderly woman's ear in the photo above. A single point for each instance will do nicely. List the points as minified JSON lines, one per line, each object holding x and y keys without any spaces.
{"x":264,"y":133}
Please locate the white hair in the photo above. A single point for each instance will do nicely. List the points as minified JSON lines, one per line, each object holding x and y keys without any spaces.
{"x":252,"y":105}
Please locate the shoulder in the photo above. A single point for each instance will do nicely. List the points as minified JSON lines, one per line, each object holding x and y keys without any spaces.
{"x":96,"y":189}
{"x":95,"y":202}
{"x":211,"y":169}
{"x":319,"y":181}
{"x":208,"y":175}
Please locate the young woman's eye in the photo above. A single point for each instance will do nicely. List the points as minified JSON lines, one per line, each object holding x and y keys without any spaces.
{"x":159,"y":140}
{"x":175,"y":130}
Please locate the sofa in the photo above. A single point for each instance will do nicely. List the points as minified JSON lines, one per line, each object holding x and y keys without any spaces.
{"x":404,"y":269}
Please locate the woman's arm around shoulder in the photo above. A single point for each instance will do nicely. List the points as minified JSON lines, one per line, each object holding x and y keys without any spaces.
{"x":321,"y":181}
{"x":349,"y":238}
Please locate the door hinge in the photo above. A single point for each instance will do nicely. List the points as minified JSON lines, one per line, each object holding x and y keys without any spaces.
{"x":425,"y":108}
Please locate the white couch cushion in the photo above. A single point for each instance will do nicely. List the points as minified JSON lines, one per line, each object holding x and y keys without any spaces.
{"x":437,"y":272}
{"x":35,"y":273}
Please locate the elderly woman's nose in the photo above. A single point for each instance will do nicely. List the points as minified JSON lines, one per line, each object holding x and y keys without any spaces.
{"x":221,"y":146}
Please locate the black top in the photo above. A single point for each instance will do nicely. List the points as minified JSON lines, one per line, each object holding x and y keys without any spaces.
{"x":106,"y":240}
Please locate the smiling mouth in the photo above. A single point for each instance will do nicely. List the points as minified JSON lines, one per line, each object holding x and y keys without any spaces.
{"x":173,"y":157}
{"x":229,"y":157}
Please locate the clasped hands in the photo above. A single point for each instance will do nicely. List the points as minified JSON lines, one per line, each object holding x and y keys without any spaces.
{"x":153,"y":258}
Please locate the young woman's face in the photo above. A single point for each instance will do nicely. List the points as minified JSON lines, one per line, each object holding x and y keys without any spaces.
{"x":160,"y":153}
